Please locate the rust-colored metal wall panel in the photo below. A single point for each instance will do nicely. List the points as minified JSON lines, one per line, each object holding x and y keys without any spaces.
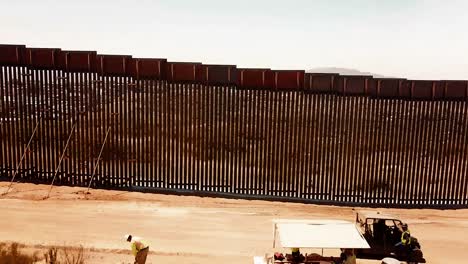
{"x":233,"y":75}
{"x":388,"y":88}
{"x":132,"y":69}
{"x":251,"y":78}
{"x":422,"y":90}
{"x":438,"y":90}
{"x":307,"y":81}
{"x":455,"y":90}
{"x":372,"y":87}
{"x":218,"y":74}
{"x":81,"y":61}
{"x":11,"y":55}
{"x":323,"y":82}
{"x":25,"y":57}
{"x":148,"y":68}
{"x":182,"y":71}
{"x":289,"y":80}
{"x":269,"y":80}
{"x":39,"y":58}
{"x":200,"y":75}
{"x":113,"y":65}
{"x":354,"y":85}
{"x":405,"y":89}
{"x":61,"y":60}
{"x":339,"y":85}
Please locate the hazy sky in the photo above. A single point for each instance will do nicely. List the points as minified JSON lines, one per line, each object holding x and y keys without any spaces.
{"x":408,"y":38}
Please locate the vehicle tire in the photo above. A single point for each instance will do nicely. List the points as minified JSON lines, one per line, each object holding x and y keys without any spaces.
{"x":414,"y":256}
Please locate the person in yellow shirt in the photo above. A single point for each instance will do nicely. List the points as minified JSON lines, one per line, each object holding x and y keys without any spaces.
{"x":405,"y":235}
{"x":348,"y":256}
{"x":140,"y":248}
{"x":296,"y":255}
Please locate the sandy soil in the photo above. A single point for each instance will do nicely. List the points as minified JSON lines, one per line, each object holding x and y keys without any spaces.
{"x":185,"y":229}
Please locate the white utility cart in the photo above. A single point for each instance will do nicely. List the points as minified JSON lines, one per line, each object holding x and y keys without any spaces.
{"x":313,"y":234}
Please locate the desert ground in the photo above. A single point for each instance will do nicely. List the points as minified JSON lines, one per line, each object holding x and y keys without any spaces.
{"x":185,"y":229}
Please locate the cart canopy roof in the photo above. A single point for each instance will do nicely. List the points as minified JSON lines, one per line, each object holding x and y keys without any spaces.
{"x":317,"y":234}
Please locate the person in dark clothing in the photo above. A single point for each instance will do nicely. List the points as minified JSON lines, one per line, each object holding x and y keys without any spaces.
{"x":379,"y":230}
{"x":297,"y":257}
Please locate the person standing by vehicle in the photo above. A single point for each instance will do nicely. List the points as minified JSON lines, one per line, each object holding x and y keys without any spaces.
{"x":409,"y":245}
{"x":406,"y":235}
{"x":379,"y":230}
{"x":296,"y":255}
{"x":140,"y":248}
{"x":405,"y":239}
{"x":348,"y":256}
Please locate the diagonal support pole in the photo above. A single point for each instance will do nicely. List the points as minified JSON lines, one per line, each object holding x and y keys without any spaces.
{"x":60,"y":161}
{"x":98,"y":159}
{"x":100,"y":152}
{"x":22,"y":157}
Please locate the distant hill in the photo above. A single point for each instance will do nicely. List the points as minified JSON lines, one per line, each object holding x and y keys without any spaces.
{"x":345,"y":71}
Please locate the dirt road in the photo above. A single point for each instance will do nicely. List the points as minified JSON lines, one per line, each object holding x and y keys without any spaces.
{"x":186,"y":229}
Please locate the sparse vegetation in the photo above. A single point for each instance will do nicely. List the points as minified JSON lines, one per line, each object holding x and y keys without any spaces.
{"x":13,"y":253}
{"x":51,"y":256}
{"x":72,"y":255}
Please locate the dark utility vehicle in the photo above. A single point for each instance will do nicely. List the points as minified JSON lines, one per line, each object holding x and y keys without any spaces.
{"x":383,"y":233}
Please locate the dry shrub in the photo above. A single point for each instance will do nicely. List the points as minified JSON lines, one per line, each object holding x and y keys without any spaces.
{"x":65,"y":255}
{"x":51,"y":256}
{"x":11,"y":254}
{"x":72,"y":255}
